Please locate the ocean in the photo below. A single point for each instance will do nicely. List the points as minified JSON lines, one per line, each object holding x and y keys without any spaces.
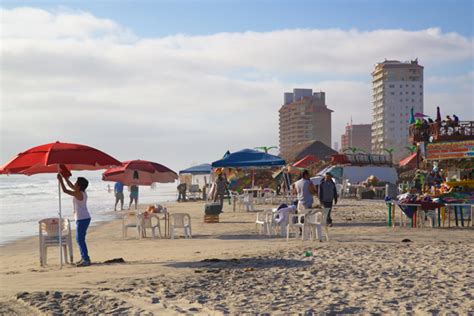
{"x":26,"y":200}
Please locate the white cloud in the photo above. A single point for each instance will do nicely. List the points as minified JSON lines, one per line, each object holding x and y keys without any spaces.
{"x":72,"y":76}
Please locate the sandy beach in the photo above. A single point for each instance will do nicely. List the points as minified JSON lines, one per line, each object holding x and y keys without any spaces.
{"x":228,"y":268}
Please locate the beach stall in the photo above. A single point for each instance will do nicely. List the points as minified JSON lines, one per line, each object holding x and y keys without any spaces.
{"x":197,"y":179}
{"x":252,"y":161}
{"x":443,"y":186}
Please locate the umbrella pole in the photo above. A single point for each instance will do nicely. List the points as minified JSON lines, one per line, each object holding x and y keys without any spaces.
{"x":60,"y":226}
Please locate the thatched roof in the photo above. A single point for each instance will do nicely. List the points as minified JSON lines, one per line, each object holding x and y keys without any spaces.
{"x":315,"y":148}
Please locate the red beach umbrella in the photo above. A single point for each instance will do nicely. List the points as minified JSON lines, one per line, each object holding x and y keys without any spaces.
{"x":140,"y":172}
{"x":58,"y":157}
{"x":47,"y":159}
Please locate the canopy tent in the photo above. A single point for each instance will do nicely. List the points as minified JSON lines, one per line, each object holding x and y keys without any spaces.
{"x":204,"y":168}
{"x":248,"y":158}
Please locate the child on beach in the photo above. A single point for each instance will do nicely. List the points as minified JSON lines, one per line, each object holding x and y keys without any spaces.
{"x":81,"y":214}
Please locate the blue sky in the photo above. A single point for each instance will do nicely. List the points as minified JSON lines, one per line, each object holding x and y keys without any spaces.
{"x":161,"y":18}
{"x":208,"y":76}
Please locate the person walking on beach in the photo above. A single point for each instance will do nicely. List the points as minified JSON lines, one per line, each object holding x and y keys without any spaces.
{"x":118,"y":190}
{"x":305,"y":190}
{"x":328,"y":194}
{"x":81,"y":214}
{"x":133,"y":196}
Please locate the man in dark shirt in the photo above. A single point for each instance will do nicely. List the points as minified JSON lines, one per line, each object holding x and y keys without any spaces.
{"x":328,"y":193}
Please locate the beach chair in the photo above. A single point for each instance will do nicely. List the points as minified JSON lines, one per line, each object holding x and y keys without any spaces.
{"x":180,"y":221}
{"x":263,"y":222}
{"x":248,"y":202}
{"x":149,"y":221}
{"x":49,"y":237}
{"x":130,"y":220}
{"x":314,"y":222}
{"x":295,"y":223}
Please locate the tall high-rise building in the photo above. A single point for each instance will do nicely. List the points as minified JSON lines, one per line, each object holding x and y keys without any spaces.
{"x":304,"y":117}
{"x":357,"y":136}
{"x":397,"y":87}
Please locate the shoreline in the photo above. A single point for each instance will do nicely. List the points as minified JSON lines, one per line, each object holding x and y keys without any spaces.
{"x":363,"y":268}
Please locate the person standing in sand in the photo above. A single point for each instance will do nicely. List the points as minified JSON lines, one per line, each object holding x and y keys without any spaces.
{"x":304,"y":189}
{"x":81,"y":214}
{"x":118,"y":190}
{"x":133,"y":196}
{"x":221,"y":187}
{"x":328,"y":193}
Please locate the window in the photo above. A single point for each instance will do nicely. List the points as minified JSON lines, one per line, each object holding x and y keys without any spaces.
{"x":406,"y":86}
{"x":401,"y":93}
{"x":401,"y":86}
{"x":421,"y":93}
{"x":412,"y":100}
{"x":413,"y":93}
{"x":391,"y":86}
{"x":401,"y":100}
{"x":421,"y":86}
{"x":412,"y":85}
{"x":393,"y":93}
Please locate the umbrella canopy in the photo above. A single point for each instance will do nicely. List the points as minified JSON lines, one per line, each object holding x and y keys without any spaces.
{"x":438,"y":114}
{"x":306,"y":161}
{"x":420,"y":115}
{"x":248,"y":158}
{"x":408,"y":161}
{"x":204,"y":168}
{"x":140,"y":172}
{"x":55,"y":157}
{"x":49,"y":157}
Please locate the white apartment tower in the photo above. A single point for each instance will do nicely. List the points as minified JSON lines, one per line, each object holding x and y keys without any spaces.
{"x":397,"y":87}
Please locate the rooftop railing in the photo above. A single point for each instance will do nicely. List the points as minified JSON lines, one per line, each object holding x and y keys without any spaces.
{"x":441,"y":131}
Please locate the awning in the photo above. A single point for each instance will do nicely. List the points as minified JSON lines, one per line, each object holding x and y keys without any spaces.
{"x":248,"y":158}
{"x":306,"y":161}
{"x":204,"y":168}
{"x":410,"y":160}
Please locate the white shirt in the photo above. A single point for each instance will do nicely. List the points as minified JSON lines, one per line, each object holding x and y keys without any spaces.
{"x":80,"y":208}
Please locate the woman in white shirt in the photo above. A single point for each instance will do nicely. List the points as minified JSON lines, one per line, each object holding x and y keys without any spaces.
{"x":81,"y":213}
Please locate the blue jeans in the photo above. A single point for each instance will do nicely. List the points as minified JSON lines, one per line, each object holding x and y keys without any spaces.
{"x":81,"y":230}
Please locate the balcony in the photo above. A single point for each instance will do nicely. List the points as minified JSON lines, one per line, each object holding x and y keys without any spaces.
{"x":442,"y":131}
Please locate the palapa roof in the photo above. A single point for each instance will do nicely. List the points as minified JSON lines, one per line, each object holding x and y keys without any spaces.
{"x":314,"y":148}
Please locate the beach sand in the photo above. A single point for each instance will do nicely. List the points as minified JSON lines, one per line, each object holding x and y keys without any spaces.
{"x":228,"y":268}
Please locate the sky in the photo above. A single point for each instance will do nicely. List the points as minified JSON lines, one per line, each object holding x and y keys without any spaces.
{"x":182,"y":82}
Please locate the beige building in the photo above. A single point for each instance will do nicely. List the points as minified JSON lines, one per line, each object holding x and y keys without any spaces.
{"x":357,"y":136}
{"x":304,"y":117}
{"x":397,"y":87}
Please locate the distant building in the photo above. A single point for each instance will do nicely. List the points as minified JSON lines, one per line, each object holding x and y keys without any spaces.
{"x":397,"y":87}
{"x":336,"y":146}
{"x":304,"y":117}
{"x":357,"y":136}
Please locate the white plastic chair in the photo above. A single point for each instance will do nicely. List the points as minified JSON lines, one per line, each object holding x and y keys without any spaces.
{"x":49,"y":237}
{"x":248,"y":202}
{"x":263,"y":222}
{"x":149,"y":221}
{"x":180,"y":220}
{"x":130,"y":220}
{"x":314,"y":222}
{"x":295,"y":223}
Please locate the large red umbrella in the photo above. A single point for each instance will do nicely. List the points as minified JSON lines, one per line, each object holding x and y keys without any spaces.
{"x":140,"y":172}
{"x":56,"y":157}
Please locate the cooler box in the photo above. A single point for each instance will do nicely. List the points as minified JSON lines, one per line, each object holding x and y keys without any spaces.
{"x":213,"y":208}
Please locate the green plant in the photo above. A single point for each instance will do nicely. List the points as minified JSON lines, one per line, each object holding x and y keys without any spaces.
{"x":265,"y":148}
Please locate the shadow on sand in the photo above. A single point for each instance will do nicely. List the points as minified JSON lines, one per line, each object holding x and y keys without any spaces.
{"x":244,"y":263}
